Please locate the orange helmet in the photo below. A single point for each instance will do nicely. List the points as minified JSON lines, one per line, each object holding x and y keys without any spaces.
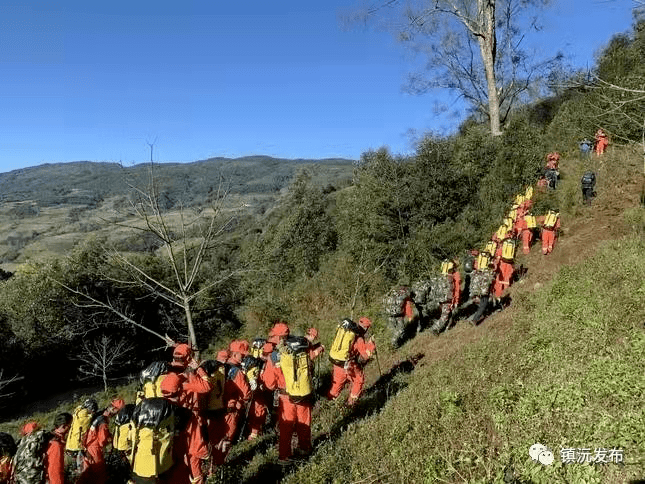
{"x":171,"y":384}
{"x":182,"y":352}
{"x":364,"y":322}
{"x":280,"y":329}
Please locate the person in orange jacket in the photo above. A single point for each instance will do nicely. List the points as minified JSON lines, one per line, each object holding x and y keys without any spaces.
{"x":524,"y":232}
{"x":293,"y":414}
{"x":54,"y":462}
{"x":448,"y":308}
{"x":552,"y":160}
{"x":504,"y":268}
{"x":262,"y":398}
{"x":216,"y":419}
{"x":186,"y":389}
{"x":550,"y":227}
{"x":352,"y":371}
{"x":602,"y":141}
{"x":96,"y":439}
{"x":237,"y":392}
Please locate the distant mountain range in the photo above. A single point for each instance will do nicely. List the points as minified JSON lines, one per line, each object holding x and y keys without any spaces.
{"x":46,"y":209}
{"x":87,"y":182}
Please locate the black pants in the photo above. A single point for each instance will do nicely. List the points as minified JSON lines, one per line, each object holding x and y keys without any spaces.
{"x":481,"y":309}
{"x":587,"y":195}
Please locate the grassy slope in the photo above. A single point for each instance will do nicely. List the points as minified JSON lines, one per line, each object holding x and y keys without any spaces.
{"x":562,"y":366}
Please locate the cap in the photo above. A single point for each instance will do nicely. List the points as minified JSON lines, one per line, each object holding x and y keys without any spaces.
{"x":171,"y":384}
{"x":312,"y":333}
{"x":222,"y":356}
{"x":239,"y":346}
{"x":29,"y":427}
{"x":117,"y":403}
{"x":280,"y":330}
{"x":182,"y":352}
{"x":364,"y":322}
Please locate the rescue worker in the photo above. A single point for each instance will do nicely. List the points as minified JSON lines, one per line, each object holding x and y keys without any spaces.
{"x":482,"y":281}
{"x":294,"y":413}
{"x":262,"y":398}
{"x":352,"y":370}
{"x":602,"y":141}
{"x":448,"y":308}
{"x":402,"y":313}
{"x":586,"y":146}
{"x":588,"y":183}
{"x":524,"y":231}
{"x":550,"y":228}
{"x":184,"y":389}
{"x":553,"y":160}
{"x":96,"y":439}
{"x":54,"y":462}
{"x":216,"y":418}
{"x":504,"y":266}
{"x":237,"y":392}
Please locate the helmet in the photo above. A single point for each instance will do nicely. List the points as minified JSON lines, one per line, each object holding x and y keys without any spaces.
{"x":222,"y":356}
{"x":312,"y":333}
{"x":117,"y":403}
{"x":171,"y":384}
{"x":182,"y":352}
{"x":239,"y":346}
{"x":364,"y":322}
{"x":91,"y":405}
{"x":280,"y":330}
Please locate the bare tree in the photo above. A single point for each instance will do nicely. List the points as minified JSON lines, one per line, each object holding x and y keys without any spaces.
{"x":185,"y":236}
{"x":101,"y":357}
{"x":472,"y":47}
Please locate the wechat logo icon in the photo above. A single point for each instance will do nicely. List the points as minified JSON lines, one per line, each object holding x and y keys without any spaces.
{"x":540,"y":453}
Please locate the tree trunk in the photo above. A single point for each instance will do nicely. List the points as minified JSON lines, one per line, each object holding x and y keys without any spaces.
{"x":189,"y":322}
{"x":488,"y":47}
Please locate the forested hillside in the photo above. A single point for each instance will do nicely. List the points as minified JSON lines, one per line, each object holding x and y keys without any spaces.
{"x":562,"y":365}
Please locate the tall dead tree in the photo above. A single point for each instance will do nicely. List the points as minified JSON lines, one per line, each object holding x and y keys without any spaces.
{"x":471,"y":47}
{"x":101,"y":357}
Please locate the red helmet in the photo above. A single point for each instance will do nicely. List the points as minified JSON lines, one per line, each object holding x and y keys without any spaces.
{"x":29,"y":427}
{"x":280,"y":330}
{"x":182,"y":352}
{"x":171,"y":384}
{"x":364,"y":322}
{"x":117,"y":403}
{"x":239,"y":346}
{"x":222,"y":356}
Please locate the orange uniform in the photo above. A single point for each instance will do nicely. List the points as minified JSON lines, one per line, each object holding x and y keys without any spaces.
{"x":548,"y":237}
{"x":55,"y":460}
{"x":601,"y":141}
{"x":352,"y":371}
{"x":292,"y":415}
{"x":97,"y":437}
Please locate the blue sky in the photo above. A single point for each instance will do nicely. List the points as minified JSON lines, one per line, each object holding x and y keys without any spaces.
{"x":83,"y":80}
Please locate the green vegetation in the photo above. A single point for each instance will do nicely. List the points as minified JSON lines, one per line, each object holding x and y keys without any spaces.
{"x":562,"y":366}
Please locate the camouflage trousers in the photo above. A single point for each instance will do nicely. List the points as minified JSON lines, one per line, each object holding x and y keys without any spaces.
{"x":399,"y":327}
{"x":441,"y":323}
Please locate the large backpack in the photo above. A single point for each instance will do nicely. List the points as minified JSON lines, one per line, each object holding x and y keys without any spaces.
{"x":81,"y":420}
{"x":481,"y":281}
{"x":531,"y":221}
{"x":552,"y":176}
{"x":28,"y":463}
{"x":252,"y":367}
{"x":154,"y":425}
{"x":217,"y":378}
{"x":151,"y":378}
{"x":441,"y":289}
{"x":296,"y":368}
{"x":508,"y":250}
{"x":346,"y":334}
{"x":588,"y":180}
{"x":420,"y":290}
{"x":393,"y":301}
{"x":123,"y":428}
{"x":551,"y":219}
{"x":256,"y":347}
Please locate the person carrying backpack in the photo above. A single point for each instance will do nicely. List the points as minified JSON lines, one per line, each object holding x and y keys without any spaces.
{"x":349,"y":353}
{"x":262,"y":398}
{"x":292,"y":377}
{"x":96,"y":439}
{"x":81,"y":420}
{"x":7,"y":451}
{"x":588,"y":183}
{"x":40,"y":456}
{"x":186,"y":389}
{"x":602,"y":141}
{"x":450,"y":271}
{"x":550,"y":227}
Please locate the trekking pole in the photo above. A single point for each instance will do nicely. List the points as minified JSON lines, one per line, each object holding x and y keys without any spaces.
{"x":246,"y":418}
